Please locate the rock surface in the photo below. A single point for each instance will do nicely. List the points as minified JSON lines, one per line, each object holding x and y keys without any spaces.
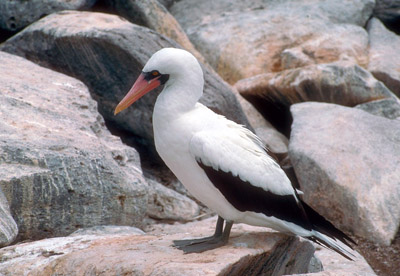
{"x":117,"y":250}
{"x":388,"y":108}
{"x":107,"y":54}
{"x":8,"y":226}
{"x":17,"y":14}
{"x":164,"y":203}
{"x":152,"y":254}
{"x":60,"y":167}
{"x":347,"y":162}
{"x":325,"y":31}
{"x":339,"y":83}
{"x":384,"y":60}
{"x":152,"y":14}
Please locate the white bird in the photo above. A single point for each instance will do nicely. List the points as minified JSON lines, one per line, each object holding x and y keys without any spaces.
{"x":221,"y":163}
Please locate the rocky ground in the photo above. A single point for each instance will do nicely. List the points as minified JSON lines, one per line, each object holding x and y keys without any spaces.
{"x":318,"y":81}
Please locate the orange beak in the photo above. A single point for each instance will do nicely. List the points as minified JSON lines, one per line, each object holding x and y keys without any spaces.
{"x":138,"y":90}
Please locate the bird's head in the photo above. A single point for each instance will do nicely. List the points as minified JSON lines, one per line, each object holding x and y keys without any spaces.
{"x":164,"y":67}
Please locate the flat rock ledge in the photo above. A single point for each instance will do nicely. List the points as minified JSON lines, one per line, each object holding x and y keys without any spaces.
{"x":116,"y":250}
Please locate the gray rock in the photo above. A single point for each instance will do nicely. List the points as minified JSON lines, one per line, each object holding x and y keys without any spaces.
{"x":108,"y":53}
{"x":388,"y":108}
{"x":17,"y":14}
{"x":241,"y":39}
{"x":341,"y":83}
{"x":384,"y":58}
{"x":165,"y":203}
{"x":8,"y":226}
{"x":346,"y":161}
{"x":60,"y":167}
{"x":251,"y":251}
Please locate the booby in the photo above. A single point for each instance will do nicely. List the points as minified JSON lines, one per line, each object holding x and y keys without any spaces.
{"x":221,"y":163}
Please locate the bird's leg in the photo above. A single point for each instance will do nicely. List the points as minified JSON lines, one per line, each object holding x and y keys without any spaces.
{"x":219,"y":238}
{"x":217,"y":233}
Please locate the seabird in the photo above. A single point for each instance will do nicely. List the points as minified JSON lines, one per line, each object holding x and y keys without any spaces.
{"x":221,"y":163}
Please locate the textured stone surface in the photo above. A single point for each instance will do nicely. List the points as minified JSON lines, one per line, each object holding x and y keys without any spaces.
{"x":17,"y":14}
{"x":8,"y":226}
{"x":165,"y":203}
{"x":335,"y":265}
{"x":340,"y":83}
{"x":251,"y":251}
{"x":384,"y":58}
{"x":108,"y":53}
{"x":347,"y":162}
{"x":152,"y":14}
{"x":61,"y":169}
{"x":245,"y":38}
{"x":388,"y":108}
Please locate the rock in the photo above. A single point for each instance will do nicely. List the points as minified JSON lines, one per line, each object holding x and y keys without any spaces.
{"x":165,"y":203}
{"x":388,"y":11}
{"x":61,"y":169}
{"x":340,"y":83}
{"x":243,"y":39}
{"x":107,"y":54}
{"x":251,"y":251}
{"x":273,"y":140}
{"x":346,"y":161}
{"x":8,"y":227}
{"x":388,"y":108}
{"x":17,"y":14}
{"x":105,"y":230}
{"x":384,"y":58}
{"x":152,"y":14}
{"x":335,"y":265}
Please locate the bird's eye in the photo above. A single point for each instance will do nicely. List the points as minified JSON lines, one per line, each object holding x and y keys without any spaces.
{"x":155,"y":73}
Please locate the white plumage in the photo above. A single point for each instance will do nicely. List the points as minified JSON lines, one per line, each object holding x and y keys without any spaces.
{"x":221,"y":163}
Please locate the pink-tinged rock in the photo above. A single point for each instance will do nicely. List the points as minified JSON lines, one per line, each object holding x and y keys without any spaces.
{"x":347,"y":163}
{"x":244,"y":38}
{"x":251,"y":251}
{"x":384,"y":57}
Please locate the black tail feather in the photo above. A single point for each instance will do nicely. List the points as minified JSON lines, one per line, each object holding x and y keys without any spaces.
{"x":323,"y":226}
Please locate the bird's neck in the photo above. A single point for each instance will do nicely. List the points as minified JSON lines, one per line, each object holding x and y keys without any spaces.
{"x":180,"y":95}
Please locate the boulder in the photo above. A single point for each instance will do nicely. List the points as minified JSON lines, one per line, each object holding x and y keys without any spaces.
{"x":61,"y":169}
{"x":243,"y":39}
{"x":251,"y":251}
{"x":347,"y":163}
{"x":8,"y":226}
{"x":108,"y":53}
{"x":384,"y":58}
{"x":112,"y":250}
{"x":17,"y":14}
{"x":340,"y":83}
